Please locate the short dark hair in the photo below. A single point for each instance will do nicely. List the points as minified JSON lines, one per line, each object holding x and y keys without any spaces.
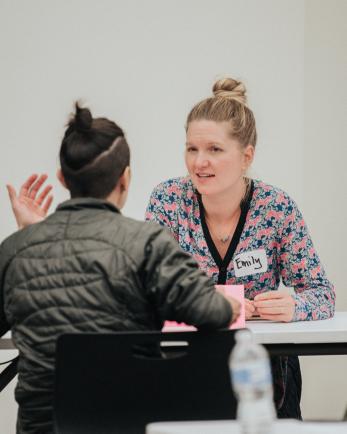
{"x":93,"y":155}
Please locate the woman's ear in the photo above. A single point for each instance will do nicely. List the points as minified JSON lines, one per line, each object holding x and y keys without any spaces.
{"x":61,"y":178}
{"x":120,"y":192}
{"x":124,"y":180}
{"x":248,"y":156}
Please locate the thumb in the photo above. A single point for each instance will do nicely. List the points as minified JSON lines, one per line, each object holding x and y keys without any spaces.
{"x":11,"y":192}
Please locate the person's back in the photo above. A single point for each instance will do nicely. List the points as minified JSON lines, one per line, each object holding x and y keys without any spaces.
{"x":87,"y":268}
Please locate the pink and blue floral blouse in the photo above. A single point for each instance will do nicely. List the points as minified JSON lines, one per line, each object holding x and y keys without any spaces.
{"x":270,"y":229}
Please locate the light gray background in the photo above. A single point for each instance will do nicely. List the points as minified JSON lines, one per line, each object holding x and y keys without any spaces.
{"x":144,"y":64}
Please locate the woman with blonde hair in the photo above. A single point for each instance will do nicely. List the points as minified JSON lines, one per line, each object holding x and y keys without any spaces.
{"x":242,"y":230}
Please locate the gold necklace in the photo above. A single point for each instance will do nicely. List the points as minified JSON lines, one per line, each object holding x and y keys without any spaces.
{"x":224,"y":238}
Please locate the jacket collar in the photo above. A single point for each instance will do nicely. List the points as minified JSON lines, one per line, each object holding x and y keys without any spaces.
{"x":85,"y":203}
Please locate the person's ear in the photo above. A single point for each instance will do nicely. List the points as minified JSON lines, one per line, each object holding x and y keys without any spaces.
{"x":124,"y":180}
{"x":61,"y":178}
{"x":248,"y":156}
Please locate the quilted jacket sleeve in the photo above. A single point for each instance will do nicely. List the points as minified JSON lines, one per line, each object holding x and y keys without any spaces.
{"x":4,"y":258}
{"x":179,"y":289}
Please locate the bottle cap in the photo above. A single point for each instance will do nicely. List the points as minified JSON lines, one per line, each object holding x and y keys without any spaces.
{"x":243,"y":335}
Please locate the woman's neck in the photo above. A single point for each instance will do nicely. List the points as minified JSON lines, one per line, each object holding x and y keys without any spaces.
{"x":222,"y":207}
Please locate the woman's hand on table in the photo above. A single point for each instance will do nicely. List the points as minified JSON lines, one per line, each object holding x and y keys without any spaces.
{"x":30,"y":206}
{"x":249,"y":308}
{"x":275,"y":306}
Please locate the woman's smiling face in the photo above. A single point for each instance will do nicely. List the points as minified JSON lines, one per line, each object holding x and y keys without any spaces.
{"x":216,"y":163}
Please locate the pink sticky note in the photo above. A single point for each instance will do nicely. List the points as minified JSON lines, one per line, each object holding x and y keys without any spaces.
{"x":236,"y":291}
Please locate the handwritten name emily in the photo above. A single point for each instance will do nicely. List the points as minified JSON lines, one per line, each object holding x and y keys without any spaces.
{"x":253,"y":262}
{"x":241,"y":263}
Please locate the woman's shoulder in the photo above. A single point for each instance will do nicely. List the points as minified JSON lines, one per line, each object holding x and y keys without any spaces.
{"x":175,"y":188}
{"x":269,"y":196}
{"x":173,"y":197}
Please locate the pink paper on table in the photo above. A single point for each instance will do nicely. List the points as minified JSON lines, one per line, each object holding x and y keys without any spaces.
{"x":236,"y":291}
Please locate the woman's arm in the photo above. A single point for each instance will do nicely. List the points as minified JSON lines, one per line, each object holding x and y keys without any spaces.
{"x":301,"y":269}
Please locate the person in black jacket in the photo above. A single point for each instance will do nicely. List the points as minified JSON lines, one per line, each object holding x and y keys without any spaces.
{"x":87,"y":268}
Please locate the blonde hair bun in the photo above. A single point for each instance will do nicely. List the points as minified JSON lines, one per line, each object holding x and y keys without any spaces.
{"x":230,"y":89}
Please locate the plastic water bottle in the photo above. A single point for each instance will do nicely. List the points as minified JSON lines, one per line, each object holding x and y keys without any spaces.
{"x":252,"y":384}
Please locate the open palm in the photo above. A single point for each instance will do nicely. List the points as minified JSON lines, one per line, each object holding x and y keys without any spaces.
{"x":30,"y":206}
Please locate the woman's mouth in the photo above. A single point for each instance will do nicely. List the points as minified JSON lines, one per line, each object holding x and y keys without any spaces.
{"x":204,"y":175}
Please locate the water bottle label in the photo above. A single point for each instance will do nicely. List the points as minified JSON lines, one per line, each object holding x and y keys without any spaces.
{"x":252,"y":374}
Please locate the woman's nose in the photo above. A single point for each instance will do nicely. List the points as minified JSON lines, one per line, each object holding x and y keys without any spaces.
{"x":201,"y":161}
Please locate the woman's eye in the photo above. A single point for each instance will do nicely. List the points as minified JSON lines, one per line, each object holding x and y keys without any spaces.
{"x":191,"y":149}
{"x":216,"y":149}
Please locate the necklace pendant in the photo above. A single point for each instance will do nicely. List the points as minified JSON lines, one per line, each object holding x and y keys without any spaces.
{"x":224,"y":239}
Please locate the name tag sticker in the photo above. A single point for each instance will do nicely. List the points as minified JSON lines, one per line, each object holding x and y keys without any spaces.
{"x":252,"y":262}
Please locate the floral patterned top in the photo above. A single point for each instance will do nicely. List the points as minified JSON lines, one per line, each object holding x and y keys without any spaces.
{"x":270,"y":226}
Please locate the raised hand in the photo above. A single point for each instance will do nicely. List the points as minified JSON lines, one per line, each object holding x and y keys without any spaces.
{"x":30,"y":206}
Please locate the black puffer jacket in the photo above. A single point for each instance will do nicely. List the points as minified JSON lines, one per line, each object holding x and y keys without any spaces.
{"x":87,"y":268}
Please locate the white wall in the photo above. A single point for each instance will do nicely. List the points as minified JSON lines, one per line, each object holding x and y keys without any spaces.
{"x":144,"y":64}
{"x":324,"y":187}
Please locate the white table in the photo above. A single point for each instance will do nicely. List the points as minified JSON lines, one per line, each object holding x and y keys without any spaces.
{"x":232,"y":427}
{"x":329,"y":331}
{"x":302,"y":332}
{"x":325,"y":337}
{"x":302,"y":338}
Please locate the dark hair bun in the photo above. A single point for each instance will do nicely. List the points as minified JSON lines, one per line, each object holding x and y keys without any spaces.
{"x":82,"y":120}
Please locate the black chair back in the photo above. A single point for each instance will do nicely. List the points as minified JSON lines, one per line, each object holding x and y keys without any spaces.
{"x":118,"y":383}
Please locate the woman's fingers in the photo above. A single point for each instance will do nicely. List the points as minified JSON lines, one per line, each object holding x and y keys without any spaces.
{"x":47,"y":204}
{"x":24,"y":190}
{"x":31,"y":205}
{"x":270,"y":295}
{"x":30,"y":189}
{"x":36,"y":186}
{"x":43,"y":194}
{"x":275,"y":306}
{"x":273,"y":310}
{"x":249,"y":308}
{"x":277,"y":302}
{"x":26,"y":207}
{"x":11,"y":192}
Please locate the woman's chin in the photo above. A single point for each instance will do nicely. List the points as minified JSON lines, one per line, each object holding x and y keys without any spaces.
{"x":205,"y":190}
